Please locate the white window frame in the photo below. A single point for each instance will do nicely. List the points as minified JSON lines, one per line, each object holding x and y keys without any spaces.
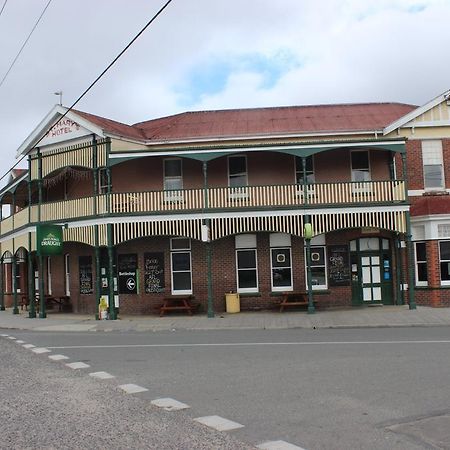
{"x":429,"y":150}
{"x":281,"y":288}
{"x":173,"y":195}
{"x":443,"y":282}
{"x":252,"y":289}
{"x":49,"y":275}
{"x":238,"y":192}
{"x":361,"y":189}
{"x":180,"y":250}
{"x":67,"y":274}
{"x":417,"y":262}
{"x":102,"y":180}
{"x":317,"y":287}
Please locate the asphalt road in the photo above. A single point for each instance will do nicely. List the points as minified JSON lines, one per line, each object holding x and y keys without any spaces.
{"x":317,"y":389}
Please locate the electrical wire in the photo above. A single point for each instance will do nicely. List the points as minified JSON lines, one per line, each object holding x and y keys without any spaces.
{"x":3,"y":7}
{"x":25,"y":43}
{"x":93,"y":83}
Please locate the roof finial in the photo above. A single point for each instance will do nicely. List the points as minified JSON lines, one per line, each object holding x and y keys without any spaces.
{"x":60,"y":93}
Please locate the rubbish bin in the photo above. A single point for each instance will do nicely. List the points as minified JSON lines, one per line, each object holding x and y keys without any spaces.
{"x":232,"y":302}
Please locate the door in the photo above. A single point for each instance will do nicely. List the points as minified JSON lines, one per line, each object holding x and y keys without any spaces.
{"x":371,"y":278}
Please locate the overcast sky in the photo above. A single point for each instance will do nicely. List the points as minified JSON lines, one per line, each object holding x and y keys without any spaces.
{"x":217,"y":54}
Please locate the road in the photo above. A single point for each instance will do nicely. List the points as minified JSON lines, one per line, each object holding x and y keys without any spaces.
{"x":316,"y":389}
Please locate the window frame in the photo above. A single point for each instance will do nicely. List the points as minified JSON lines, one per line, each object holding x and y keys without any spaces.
{"x":369,"y":171}
{"x":417,"y":262}
{"x":317,"y":287}
{"x":299,"y":171}
{"x":252,"y":289}
{"x":187,"y":250}
{"x":441,"y":164}
{"x":443,"y":282}
{"x":240,"y":173}
{"x":178,"y":177}
{"x":289,"y":288}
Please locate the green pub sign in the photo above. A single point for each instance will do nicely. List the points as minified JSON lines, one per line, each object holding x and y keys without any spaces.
{"x":49,"y":239}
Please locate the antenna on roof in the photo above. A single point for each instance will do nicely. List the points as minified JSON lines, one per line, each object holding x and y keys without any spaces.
{"x":60,"y":96}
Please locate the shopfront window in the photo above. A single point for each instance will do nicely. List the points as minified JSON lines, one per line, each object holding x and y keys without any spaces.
{"x":444,"y":257}
{"x":421,"y":264}
{"x":181,"y":266}
{"x":318,"y":268}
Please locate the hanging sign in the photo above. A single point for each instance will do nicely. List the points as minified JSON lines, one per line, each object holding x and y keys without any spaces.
{"x":49,"y":239}
{"x":128,"y":274}
{"x":338,"y":265}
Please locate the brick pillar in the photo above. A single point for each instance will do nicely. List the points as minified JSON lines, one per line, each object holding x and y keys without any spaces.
{"x":434,"y":273}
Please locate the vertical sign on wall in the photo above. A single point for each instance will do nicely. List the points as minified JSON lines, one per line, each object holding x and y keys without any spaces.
{"x":338,"y":265}
{"x":128,"y":273}
{"x":154,"y":272}
{"x":85,"y":269}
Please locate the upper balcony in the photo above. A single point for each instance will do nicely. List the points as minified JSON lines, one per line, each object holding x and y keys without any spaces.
{"x":212,"y":200}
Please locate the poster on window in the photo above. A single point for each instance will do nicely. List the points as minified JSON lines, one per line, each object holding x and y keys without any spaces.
{"x":154,"y":273}
{"x":338,"y":265}
{"x":85,"y":269}
{"x":128,"y":273}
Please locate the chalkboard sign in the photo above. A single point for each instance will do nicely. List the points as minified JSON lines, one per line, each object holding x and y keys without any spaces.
{"x":154,"y":272}
{"x":338,"y":265}
{"x":128,"y":273}
{"x":85,"y":269}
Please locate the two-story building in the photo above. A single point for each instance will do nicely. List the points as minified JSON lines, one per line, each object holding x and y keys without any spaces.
{"x":212,"y":202}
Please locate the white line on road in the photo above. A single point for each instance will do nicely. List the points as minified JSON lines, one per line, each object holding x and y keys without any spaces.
{"x":40,"y":350}
{"x":132,"y":388}
{"x":78,"y":365}
{"x":4,"y":335}
{"x":169,"y":404}
{"x":20,"y":342}
{"x":12,"y":338}
{"x":278,"y":445}
{"x":28,"y":346}
{"x":58,"y":357}
{"x":219,"y":423}
{"x":251,"y":344}
{"x":101,"y":375}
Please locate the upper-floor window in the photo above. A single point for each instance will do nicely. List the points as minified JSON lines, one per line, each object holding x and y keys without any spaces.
{"x":309,"y":170}
{"x":173,"y":174}
{"x":237,"y":171}
{"x":103,"y":180}
{"x":360,"y":165}
{"x":433,"y":167}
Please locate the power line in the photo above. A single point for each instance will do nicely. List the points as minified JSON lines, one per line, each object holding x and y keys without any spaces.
{"x":94,"y":82}
{"x":25,"y":43}
{"x":3,"y":7}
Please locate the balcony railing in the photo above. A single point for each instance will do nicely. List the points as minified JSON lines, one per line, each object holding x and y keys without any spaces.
{"x":223,"y":198}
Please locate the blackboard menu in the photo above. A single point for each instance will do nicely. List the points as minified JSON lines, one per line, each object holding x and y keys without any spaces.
{"x":154,"y":272}
{"x":85,"y":269}
{"x":127,"y":273}
{"x":338,"y":265}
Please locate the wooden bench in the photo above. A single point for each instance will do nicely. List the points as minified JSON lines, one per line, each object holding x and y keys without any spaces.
{"x":62,"y":301}
{"x":178,"y":303}
{"x":293,"y":299}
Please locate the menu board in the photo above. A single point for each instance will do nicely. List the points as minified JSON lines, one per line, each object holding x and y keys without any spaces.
{"x":128,"y":273}
{"x":154,"y":272}
{"x":338,"y":265}
{"x":85,"y":269}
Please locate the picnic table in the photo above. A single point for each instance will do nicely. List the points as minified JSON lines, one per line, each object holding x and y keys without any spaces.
{"x":178,"y":303}
{"x":290,"y":299}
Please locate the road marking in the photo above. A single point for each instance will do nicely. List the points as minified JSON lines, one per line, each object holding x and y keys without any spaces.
{"x":28,"y":346}
{"x":132,"y":388}
{"x":169,"y":404}
{"x":20,"y":342}
{"x":4,"y":335}
{"x":101,"y":375}
{"x":251,"y":344}
{"x":219,"y":423}
{"x":58,"y":357}
{"x":278,"y":445}
{"x":40,"y":350}
{"x":12,"y":338}
{"x":78,"y":365}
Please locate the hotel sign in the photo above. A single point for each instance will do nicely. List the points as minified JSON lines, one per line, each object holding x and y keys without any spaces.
{"x":49,"y":239}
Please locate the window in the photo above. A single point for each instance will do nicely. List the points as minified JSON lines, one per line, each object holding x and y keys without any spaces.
{"x":421,"y":264}
{"x":237,"y":171}
{"x":49,"y":275}
{"x":280,"y":260}
{"x":360,"y":166}
{"x":309,"y":170}
{"x":67,"y":274}
{"x":246,"y":263}
{"x":103,"y":180}
{"x":433,"y":168}
{"x":173,"y":176}
{"x":444,"y":257}
{"x":318,"y":268}
{"x":181,"y":267}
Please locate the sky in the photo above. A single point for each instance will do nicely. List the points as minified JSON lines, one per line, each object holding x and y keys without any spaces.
{"x":216,"y":54}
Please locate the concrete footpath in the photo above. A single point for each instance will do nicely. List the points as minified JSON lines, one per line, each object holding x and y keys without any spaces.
{"x":379,"y":316}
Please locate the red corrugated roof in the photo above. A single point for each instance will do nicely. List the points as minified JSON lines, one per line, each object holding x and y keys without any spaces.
{"x":259,"y":121}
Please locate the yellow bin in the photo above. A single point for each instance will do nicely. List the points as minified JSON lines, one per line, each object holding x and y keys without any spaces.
{"x":233,"y":304}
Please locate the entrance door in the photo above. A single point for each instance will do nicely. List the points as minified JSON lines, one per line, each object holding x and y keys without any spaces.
{"x":371,"y":278}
